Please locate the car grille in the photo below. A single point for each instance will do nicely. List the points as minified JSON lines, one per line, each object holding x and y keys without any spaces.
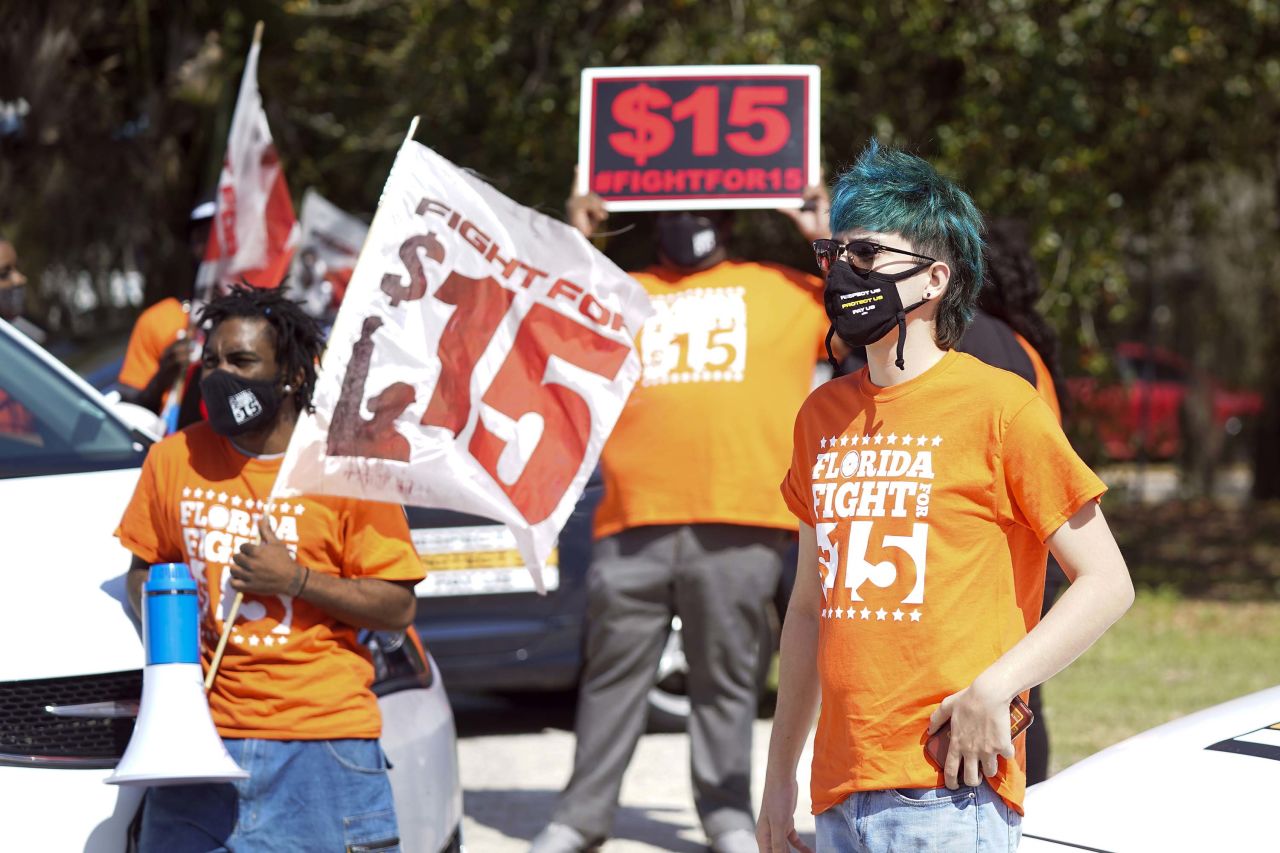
{"x":31,"y":736}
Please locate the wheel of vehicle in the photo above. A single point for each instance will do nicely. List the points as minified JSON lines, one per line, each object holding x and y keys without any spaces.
{"x":668,"y":699}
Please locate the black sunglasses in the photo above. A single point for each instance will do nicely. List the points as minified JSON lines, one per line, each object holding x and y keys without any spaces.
{"x":861,"y":253}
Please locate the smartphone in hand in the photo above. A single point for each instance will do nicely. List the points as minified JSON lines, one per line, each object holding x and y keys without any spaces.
{"x":1020,"y":719}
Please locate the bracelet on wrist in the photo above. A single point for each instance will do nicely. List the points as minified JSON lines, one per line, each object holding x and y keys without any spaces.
{"x":305,"y":574}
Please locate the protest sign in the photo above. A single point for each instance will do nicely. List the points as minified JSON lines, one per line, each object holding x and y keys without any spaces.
{"x":480,"y":359}
{"x":699,"y":137}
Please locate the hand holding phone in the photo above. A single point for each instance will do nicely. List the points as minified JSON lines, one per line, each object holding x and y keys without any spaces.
{"x":1020,"y":719}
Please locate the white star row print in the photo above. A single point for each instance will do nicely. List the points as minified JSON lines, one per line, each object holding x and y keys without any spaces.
{"x":255,"y":639}
{"x":891,"y":439}
{"x":866,"y":613}
{"x":238,"y":502}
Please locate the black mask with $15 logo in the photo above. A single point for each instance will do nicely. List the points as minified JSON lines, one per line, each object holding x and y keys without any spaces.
{"x":238,"y":405}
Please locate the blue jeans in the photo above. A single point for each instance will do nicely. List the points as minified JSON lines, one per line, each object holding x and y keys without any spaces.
{"x":920,"y":820}
{"x":319,"y":795}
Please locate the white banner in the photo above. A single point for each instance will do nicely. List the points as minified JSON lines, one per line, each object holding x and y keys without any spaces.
{"x":326,"y":256}
{"x":480,"y":360}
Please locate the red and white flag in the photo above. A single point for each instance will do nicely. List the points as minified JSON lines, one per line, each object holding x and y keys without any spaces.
{"x":254,"y":230}
{"x":482,"y":356}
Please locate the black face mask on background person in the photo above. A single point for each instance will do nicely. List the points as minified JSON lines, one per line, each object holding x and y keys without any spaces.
{"x":864,"y":307}
{"x":13,"y":301}
{"x":687,"y":239}
{"x":237,"y":405}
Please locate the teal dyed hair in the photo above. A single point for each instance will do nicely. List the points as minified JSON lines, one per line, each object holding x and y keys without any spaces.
{"x":888,"y":190}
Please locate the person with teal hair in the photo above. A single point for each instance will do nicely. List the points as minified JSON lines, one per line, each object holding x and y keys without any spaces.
{"x":930,"y":488}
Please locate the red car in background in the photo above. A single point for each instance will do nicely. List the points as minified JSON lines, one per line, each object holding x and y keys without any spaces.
{"x":1149,"y":391}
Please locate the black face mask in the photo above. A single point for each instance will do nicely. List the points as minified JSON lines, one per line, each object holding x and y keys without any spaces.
{"x":238,"y":405}
{"x":12,"y":301}
{"x":864,"y":307}
{"x":686,"y":239}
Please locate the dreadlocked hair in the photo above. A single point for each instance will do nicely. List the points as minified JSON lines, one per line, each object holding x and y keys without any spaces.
{"x":295,"y":335}
{"x":1013,"y":288}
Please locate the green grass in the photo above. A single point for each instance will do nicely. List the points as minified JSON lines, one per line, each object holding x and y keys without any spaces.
{"x":1167,"y":657}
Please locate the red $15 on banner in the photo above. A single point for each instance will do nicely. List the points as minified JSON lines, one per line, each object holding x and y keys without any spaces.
{"x":478,"y":363}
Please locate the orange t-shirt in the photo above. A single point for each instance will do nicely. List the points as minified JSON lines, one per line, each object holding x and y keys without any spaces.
{"x":156,"y":328}
{"x":940,"y":472}
{"x":1044,"y":379}
{"x":291,"y":671}
{"x":728,"y":357}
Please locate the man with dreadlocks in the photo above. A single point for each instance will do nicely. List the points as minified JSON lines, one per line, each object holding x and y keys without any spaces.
{"x":292,"y":700}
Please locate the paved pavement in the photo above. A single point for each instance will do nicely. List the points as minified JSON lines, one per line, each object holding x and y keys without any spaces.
{"x":516,"y":755}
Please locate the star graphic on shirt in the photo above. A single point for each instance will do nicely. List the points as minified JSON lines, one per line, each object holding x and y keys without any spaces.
{"x":937,"y":439}
{"x":268,"y":641}
{"x":898,"y":614}
{"x":235,"y":501}
{"x":186,"y":491}
{"x":866,"y":439}
{"x":893,"y":439}
{"x":222,"y":497}
{"x":198,"y":493}
{"x":839,"y":612}
{"x":236,"y":638}
{"x":915,"y":615}
{"x":881,"y":613}
{"x":844,"y":441}
{"x":864,"y":613}
{"x":879,"y":438}
{"x":921,"y":440}
{"x":823,"y":443}
{"x":285,"y":507}
{"x":906,"y":440}
{"x":299,"y":509}
{"x":253,"y":641}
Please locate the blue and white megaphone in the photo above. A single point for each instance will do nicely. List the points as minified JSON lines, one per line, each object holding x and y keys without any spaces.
{"x":174,"y":741}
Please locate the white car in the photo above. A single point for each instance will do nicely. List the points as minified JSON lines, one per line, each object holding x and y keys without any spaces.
{"x":1201,"y":783}
{"x":68,"y":465}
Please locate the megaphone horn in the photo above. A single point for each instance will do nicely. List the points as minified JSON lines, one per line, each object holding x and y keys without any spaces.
{"x":174,"y":741}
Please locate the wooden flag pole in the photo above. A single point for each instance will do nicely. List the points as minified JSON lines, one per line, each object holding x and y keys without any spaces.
{"x":239,"y":599}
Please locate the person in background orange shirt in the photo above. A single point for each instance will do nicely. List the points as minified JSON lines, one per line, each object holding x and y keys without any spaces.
{"x":689,"y":524}
{"x":160,"y":346}
{"x":292,"y":699}
{"x":1011,"y":294}
{"x":928,"y":486}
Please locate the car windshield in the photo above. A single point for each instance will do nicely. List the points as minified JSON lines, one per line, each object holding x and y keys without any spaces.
{"x":49,"y":426}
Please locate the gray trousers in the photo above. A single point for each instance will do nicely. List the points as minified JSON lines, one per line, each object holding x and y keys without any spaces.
{"x":720,"y":580}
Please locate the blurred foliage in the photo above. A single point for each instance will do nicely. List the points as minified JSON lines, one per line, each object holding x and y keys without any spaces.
{"x":1138,"y":137}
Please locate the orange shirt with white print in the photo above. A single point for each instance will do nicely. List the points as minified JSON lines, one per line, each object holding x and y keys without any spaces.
{"x":156,"y":328}
{"x":728,"y":357}
{"x":915,"y":493}
{"x":291,"y":671}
